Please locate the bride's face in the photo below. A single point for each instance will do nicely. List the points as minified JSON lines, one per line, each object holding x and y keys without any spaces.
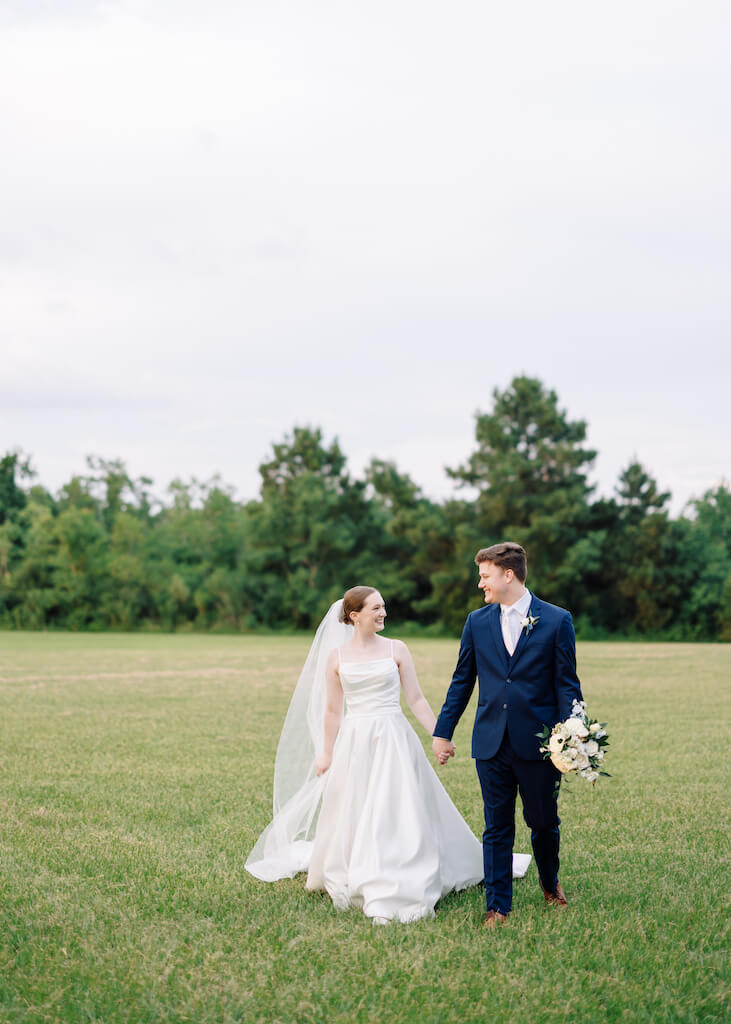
{"x":372,"y":615}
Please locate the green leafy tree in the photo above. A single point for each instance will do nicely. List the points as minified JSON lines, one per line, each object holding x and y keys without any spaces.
{"x":14,"y":468}
{"x":115,"y":491}
{"x":706,"y":608}
{"x":454,"y":578}
{"x":24,"y":585}
{"x":80,"y":567}
{"x":646,"y":581}
{"x":312,"y":534}
{"x":638,"y":494}
{"x":178,"y":553}
{"x":27,"y":547}
{"x":104,"y":554}
{"x":126,"y":599}
{"x":530,"y":470}
{"x":223,"y":598}
{"x":400,"y":513}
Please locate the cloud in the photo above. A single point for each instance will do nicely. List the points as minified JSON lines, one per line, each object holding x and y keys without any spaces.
{"x":229,"y":219}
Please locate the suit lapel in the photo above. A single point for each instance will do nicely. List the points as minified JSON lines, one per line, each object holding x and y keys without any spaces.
{"x":497,"y":634}
{"x":524,"y":637}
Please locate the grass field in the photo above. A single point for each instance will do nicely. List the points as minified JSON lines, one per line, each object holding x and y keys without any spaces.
{"x":135,"y":775}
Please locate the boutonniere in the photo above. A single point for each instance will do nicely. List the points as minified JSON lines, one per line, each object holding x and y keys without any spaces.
{"x":529,"y":622}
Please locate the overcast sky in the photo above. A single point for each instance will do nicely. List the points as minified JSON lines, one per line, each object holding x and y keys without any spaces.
{"x":222,"y":220}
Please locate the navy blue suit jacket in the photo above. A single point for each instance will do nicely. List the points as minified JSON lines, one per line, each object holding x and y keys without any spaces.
{"x":535,"y":687}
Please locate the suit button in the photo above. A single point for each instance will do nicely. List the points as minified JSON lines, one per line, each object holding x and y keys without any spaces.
{"x":505,"y":707}
{"x":508,"y":680}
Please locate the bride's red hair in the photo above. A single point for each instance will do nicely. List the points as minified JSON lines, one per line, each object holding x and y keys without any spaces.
{"x":353,"y":601}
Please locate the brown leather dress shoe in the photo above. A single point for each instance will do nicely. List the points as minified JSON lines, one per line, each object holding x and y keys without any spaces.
{"x":493,"y":918}
{"x":554,"y":899}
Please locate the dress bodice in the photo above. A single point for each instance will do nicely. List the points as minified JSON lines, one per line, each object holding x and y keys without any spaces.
{"x":371,"y":687}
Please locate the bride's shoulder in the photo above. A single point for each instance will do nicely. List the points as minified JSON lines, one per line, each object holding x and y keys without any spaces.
{"x":399,"y":649}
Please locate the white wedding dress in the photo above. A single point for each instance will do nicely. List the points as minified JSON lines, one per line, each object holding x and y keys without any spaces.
{"x":387,"y":840}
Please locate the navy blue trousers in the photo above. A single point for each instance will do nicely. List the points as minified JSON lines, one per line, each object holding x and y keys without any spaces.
{"x":501,"y":778}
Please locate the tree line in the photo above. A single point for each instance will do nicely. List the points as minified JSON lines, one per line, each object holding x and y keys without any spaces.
{"x":104,"y":554}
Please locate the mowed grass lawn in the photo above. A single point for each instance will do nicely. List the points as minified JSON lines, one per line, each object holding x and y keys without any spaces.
{"x":135,"y":775}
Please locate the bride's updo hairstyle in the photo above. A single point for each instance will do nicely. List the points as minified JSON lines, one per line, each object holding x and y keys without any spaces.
{"x":353,"y":601}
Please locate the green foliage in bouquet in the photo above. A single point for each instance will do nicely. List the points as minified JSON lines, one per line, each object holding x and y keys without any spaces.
{"x":577,"y":745}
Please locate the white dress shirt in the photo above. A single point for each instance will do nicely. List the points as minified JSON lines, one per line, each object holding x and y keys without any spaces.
{"x":510,"y":617}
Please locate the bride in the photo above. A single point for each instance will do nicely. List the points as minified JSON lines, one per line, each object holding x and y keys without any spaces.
{"x":356,"y":803}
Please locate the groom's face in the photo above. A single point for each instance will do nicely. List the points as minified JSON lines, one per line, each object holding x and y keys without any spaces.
{"x":494,"y":582}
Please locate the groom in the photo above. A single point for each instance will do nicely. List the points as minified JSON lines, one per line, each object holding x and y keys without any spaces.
{"x":523,"y":653}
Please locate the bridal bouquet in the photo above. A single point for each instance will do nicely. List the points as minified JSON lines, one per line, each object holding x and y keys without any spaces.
{"x":576,"y":745}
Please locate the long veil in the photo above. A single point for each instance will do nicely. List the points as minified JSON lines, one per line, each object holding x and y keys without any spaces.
{"x":284,"y":846}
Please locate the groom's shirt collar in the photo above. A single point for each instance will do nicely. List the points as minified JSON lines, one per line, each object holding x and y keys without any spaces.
{"x":520,"y":606}
{"x":510,"y":623}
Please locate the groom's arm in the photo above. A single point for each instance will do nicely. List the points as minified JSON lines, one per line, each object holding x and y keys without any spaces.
{"x":461,"y":687}
{"x":566,"y":681}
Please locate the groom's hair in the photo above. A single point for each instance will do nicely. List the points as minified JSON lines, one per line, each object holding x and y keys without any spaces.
{"x":507,"y":556}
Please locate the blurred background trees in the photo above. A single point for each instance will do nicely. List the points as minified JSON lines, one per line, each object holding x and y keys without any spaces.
{"x":104,"y":553}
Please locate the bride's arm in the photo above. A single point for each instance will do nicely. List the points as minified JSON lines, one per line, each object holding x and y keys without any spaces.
{"x":333,"y":713}
{"x":412,"y":691}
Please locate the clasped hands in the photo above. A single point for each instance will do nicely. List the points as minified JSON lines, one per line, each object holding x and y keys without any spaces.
{"x":443,"y":749}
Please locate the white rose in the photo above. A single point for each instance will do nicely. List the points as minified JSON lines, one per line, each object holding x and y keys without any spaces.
{"x":582,"y":761}
{"x":576,"y":727}
{"x":562,"y":763}
{"x":592,"y":776}
{"x":594,"y":728}
{"x":555,"y":744}
{"x":591,"y":747}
